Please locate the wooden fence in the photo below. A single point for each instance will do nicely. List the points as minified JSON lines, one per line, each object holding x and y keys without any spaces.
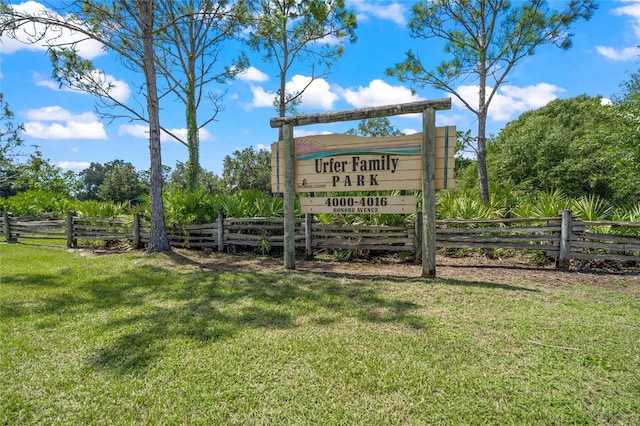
{"x":562,"y":237}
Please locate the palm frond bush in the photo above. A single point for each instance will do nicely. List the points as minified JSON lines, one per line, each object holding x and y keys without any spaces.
{"x":627,"y":214}
{"x":197,"y":206}
{"x":99,"y":209}
{"x":542,"y":204}
{"x":36,"y":202}
{"x":591,"y":207}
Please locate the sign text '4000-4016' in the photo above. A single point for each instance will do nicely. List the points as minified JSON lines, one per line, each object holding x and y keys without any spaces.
{"x":405,"y":204}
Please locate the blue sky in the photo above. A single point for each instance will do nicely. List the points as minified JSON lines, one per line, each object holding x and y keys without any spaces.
{"x":65,"y":127}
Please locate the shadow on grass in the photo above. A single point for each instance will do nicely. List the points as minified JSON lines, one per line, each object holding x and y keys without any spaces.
{"x":487,"y":285}
{"x":134,"y":312}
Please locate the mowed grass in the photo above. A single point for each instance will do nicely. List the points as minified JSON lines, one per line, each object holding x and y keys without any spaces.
{"x":154,"y":339}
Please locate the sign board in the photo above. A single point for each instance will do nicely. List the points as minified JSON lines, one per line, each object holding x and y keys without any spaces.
{"x":345,"y":163}
{"x":367,"y":204}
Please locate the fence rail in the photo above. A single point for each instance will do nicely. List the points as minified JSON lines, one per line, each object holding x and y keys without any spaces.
{"x":562,"y":237}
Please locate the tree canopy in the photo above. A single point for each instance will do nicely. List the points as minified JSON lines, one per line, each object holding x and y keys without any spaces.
{"x":581,"y":146}
{"x":485,"y":40}
{"x":193,"y":40}
{"x":375,"y":127}
{"x":10,"y":141}
{"x":247,"y":169}
{"x":133,"y":31}
{"x":289,"y":32}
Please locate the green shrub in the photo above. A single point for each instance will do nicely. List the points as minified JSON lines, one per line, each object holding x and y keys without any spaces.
{"x":100,"y":209}
{"x":591,"y":207}
{"x":35,"y":202}
{"x":198,"y":206}
{"x":542,"y":204}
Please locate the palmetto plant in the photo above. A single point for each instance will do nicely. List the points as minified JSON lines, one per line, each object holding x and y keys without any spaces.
{"x":543,"y":204}
{"x":627,"y":214}
{"x":591,"y":207}
{"x":37,"y":202}
{"x":197,"y":206}
{"x":99,"y":209}
{"x":467,"y":205}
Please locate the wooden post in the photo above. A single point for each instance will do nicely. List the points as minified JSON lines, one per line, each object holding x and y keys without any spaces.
{"x":428,"y":194}
{"x":136,"y":231}
{"x":565,"y":240}
{"x":6,"y":217}
{"x":289,"y":199}
{"x":308,"y":236}
{"x":418,"y":237}
{"x":71,"y":242}
{"x":220,"y":232}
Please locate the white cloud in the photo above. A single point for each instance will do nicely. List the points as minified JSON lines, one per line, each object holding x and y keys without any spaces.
{"x":379,"y":93}
{"x":510,"y":101}
{"x":118,"y":89}
{"x":203,"y":135}
{"x":141,"y":131}
{"x":253,"y":74}
{"x":393,"y":11}
{"x":57,"y":113}
{"x":26,"y":36}
{"x":317,"y":94}
{"x":66,"y":125}
{"x":626,"y":54}
{"x":448,"y":118}
{"x":261,"y":98}
{"x":73,"y":165}
{"x":631,"y":9}
{"x":409,"y":131}
{"x":300,"y":132}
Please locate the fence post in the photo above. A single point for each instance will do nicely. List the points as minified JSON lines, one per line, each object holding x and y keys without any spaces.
{"x":136,"y":231}
{"x":565,"y":240}
{"x":71,"y":242}
{"x":220,"y":232}
{"x":308,"y":235}
{"x":418,"y":237}
{"x":6,"y":217}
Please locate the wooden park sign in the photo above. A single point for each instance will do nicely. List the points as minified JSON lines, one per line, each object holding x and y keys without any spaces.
{"x":333,"y":164}
{"x":345,"y":163}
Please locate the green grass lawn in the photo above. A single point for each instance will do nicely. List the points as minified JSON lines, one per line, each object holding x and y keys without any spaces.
{"x":133,"y":338}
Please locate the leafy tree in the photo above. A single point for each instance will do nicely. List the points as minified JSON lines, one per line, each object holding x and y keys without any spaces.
{"x":193,"y":43}
{"x":375,"y":127}
{"x":486,"y":39}
{"x":291,"y":31}
{"x":207,"y":181}
{"x":247,"y":169}
{"x":9,"y":142}
{"x":577,"y":145}
{"x":122,"y":183}
{"x":466,"y":169}
{"x":132,"y":30}
{"x":40,"y":175}
{"x":91,"y":178}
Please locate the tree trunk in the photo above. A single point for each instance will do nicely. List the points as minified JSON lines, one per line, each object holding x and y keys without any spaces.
{"x":158,"y":240}
{"x":282,"y":96}
{"x":483,"y":180}
{"x":282,"y":107}
{"x":193,"y":139}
